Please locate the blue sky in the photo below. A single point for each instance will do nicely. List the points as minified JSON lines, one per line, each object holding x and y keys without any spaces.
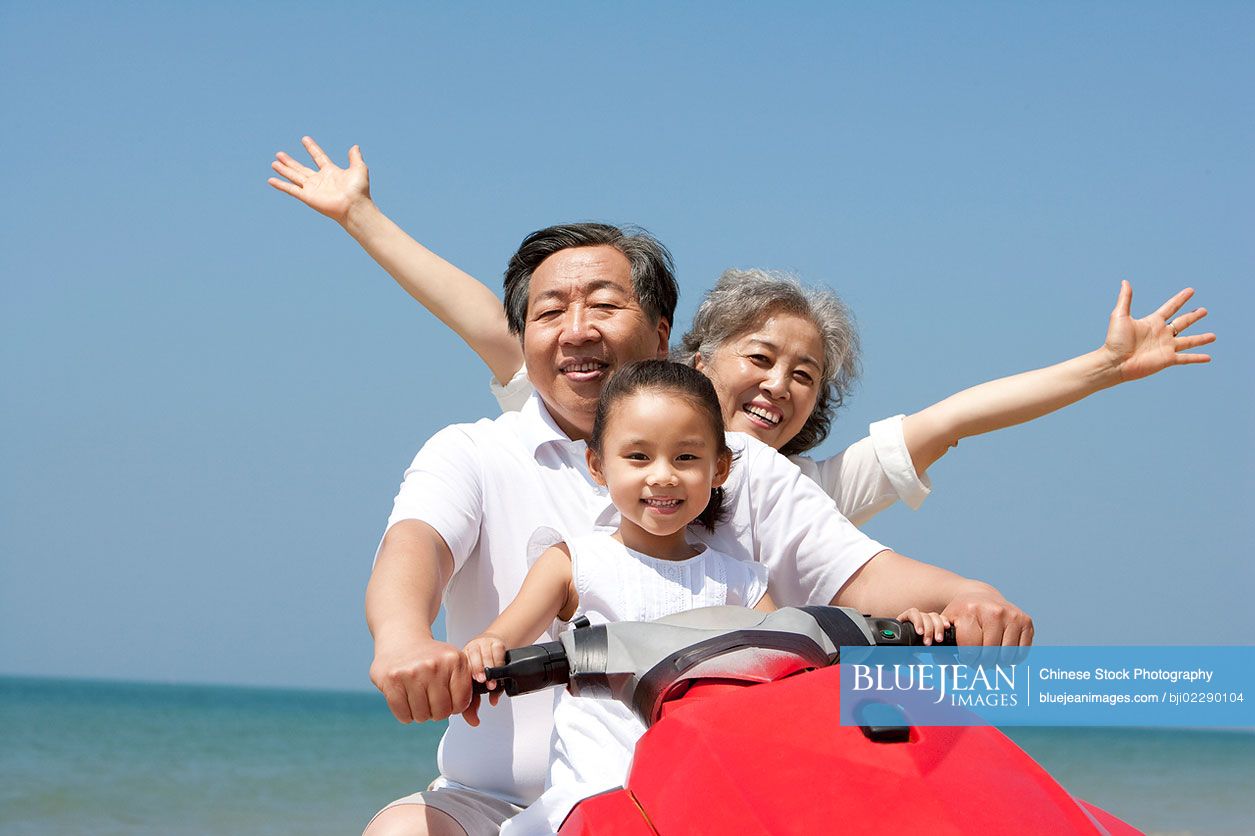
{"x":211,"y":393}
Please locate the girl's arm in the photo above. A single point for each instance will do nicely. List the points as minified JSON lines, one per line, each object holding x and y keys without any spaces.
{"x":460,"y":301}
{"x":548,"y":592}
{"x":1134,"y":349}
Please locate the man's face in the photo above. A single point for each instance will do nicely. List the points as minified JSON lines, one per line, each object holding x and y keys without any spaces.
{"x":583,"y":322}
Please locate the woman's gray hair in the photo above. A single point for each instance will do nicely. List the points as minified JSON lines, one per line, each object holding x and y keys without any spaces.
{"x":742,"y":300}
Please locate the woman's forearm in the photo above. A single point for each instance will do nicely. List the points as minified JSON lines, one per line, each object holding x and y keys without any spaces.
{"x":456,"y":298}
{"x":1005,"y":402}
{"x":1133,"y":349}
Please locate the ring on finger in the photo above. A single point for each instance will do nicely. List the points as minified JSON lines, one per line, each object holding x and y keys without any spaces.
{"x":1172,"y":327}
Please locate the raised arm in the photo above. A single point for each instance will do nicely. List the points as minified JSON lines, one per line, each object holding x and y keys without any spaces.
{"x":421,"y":678}
{"x":460,"y":301}
{"x":1134,"y":348}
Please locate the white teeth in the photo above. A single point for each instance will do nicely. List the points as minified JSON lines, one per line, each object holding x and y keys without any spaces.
{"x":582,"y":367}
{"x":662,"y":503}
{"x":759,"y":412}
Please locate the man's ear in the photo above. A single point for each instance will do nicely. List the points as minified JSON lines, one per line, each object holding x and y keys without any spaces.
{"x":594,"y":466}
{"x":664,"y":338}
{"x":698,"y":362}
{"x":722,"y":468}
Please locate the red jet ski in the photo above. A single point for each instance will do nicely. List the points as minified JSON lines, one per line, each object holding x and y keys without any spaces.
{"x":744,"y":735}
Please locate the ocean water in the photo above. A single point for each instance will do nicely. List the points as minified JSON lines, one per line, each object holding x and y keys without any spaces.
{"x":114,"y":758}
{"x":105,"y":758}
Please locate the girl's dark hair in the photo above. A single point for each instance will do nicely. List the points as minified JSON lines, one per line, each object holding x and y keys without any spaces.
{"x":673,"y":378}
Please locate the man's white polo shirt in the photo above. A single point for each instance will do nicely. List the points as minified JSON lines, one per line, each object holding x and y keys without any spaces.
{"x":486,"y":487}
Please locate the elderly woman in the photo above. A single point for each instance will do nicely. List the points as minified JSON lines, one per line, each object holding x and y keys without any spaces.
{"x":782,"y":357}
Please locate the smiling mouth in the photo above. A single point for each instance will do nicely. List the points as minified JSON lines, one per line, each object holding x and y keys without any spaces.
{"x":762,"y":416}
{"x":662,"y":505}
{"x":583,"y":370}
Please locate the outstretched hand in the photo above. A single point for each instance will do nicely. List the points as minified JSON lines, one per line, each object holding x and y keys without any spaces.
{"x":330,"y":189}
{"x":1142,"y":347}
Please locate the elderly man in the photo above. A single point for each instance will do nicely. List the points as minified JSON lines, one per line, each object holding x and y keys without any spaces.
{"x":585,"y":299}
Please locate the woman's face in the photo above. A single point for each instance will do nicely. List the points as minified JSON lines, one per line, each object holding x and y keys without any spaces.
{"x":769,"y":377}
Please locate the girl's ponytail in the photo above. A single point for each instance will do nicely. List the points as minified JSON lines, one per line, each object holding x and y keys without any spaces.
{"x":716,"y":510}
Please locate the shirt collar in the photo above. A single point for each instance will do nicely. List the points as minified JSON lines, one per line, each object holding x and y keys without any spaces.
{"x":537,"y":427}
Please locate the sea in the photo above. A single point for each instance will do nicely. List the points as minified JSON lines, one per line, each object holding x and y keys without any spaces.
{"x":87,"y":757}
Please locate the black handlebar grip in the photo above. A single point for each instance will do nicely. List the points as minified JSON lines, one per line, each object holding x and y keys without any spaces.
{"x":499,"y":674}
{"x":527,"y":669}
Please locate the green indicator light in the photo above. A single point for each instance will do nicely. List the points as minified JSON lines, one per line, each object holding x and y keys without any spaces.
{"x":888,"y":634}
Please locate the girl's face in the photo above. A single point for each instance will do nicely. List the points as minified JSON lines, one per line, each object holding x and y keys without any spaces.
{"x":660,"y":459}
{"x":768,"y":379}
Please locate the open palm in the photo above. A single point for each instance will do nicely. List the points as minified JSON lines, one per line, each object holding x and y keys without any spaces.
{"x":1142,"y":347}
{"x":329,"y":189}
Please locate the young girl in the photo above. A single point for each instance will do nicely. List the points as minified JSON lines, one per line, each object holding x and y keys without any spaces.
{"x":658,"y":445}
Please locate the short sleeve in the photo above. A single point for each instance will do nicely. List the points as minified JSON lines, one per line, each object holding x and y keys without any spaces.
{"x":871,"y":474}
{"x":747,"y":582}
{"x":895,"y":459}
{"x":514,"y":393}
{"x":542,"y":539}
{"x":442,"y":488}
{"x":810,"y":549}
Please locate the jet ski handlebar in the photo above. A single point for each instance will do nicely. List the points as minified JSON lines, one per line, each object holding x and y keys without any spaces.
{"x":642,"y":663}
{"x":527,"y":669}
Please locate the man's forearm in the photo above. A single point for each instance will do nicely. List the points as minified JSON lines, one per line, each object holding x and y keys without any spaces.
{"x":421,"y":678}
{"x":890,"y":583}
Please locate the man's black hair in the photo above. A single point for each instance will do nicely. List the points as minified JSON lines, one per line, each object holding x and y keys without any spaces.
{"x":653,"y":273}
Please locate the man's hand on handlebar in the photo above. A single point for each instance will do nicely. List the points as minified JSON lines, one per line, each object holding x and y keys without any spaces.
{"x":422,"y":679}
{"x":983,"y":617}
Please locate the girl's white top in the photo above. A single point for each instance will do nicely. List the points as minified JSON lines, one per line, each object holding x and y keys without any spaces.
{"x":864,"y":479}
{"x":593,"y":739}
